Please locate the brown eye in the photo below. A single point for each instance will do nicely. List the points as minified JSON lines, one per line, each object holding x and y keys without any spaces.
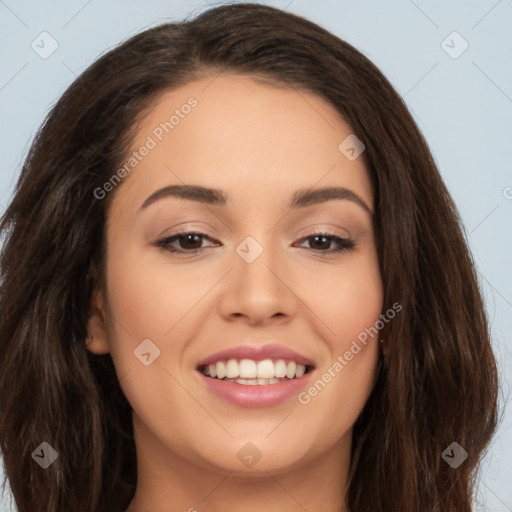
{"x":188,"y":242}
{"x":191,"y":243}
{"x":321,"y":242}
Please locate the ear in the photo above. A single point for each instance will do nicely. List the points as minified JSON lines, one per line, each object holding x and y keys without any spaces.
{"x":97,"y":325}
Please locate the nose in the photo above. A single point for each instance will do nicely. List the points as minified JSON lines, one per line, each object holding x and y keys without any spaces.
{"x":259,"y":292}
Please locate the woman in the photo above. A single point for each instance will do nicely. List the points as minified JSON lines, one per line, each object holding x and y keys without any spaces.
{"x":322,"y":343}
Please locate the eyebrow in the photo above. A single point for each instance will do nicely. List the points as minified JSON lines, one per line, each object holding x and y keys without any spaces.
{"x":216,"y":197}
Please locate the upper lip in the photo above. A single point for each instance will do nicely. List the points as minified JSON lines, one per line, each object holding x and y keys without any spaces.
{"x":257,"y":353}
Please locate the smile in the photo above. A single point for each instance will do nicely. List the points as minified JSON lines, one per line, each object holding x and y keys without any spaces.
{"x":249,"y":372}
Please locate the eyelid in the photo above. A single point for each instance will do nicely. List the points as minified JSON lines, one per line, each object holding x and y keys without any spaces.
{"x":323,"y":228}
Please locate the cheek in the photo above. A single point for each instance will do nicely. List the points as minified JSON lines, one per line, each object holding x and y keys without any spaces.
{"x":152,"y":302}
{"x":145,"y":305}
{"x":345,"y":379}
{"x":348,"y":298}
{"x":339,"y":393}
{"x":146,"y":301}
{"x":361,"y":305}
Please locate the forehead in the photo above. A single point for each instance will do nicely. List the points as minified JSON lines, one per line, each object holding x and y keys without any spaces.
{"x":231,"y":132}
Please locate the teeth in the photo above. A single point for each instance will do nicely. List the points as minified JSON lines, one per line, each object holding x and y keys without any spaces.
{"x":221,"y":370}
{"x":232,"y":369}
{"x":247,"y":369}
{"x":280,"y":368}
{"x":254,"y":382}
{"x":291,"y":369}
{"x":249,"y":372}
{"x":265,"y":369}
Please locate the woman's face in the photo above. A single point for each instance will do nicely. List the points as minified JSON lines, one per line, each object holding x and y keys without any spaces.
{"x":264,"y":282}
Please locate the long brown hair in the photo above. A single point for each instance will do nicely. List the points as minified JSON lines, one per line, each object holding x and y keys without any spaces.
{"x":438,"y":379}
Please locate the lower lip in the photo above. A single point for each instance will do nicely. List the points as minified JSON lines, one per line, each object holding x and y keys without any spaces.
{"x":266,"y":395}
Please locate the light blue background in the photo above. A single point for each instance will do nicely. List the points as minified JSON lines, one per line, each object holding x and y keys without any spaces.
{"x":462,"y":105}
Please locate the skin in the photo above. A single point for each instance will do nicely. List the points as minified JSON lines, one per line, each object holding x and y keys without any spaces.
{"x":259,"y":144}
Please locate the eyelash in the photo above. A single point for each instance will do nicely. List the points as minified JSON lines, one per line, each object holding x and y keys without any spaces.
{"x":344,"y":244}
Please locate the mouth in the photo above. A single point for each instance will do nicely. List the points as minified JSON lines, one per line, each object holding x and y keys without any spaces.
{"x":250,"y":372}
{"x":251,"y":375}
